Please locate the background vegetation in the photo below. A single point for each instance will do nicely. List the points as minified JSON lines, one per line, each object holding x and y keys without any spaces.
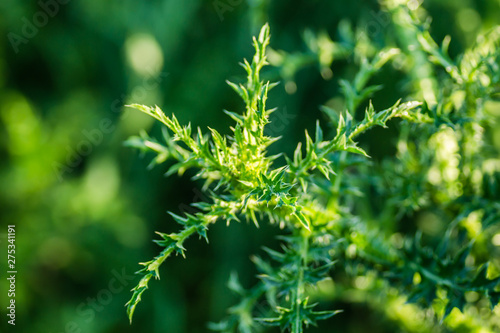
{"x":86,"y":207}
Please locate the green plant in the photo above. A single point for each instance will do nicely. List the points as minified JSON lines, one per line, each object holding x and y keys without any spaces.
{"x":340,"y":212}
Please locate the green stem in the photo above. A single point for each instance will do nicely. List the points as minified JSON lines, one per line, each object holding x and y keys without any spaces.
{"x":300,"y":290}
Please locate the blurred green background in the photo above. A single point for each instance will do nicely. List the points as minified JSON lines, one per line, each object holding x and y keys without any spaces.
{"x":86,"y":208}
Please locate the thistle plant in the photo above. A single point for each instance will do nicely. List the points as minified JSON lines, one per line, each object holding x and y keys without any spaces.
{"x":338,"y":210}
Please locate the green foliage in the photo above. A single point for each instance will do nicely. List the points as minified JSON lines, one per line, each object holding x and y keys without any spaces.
{"x":332,"y":203}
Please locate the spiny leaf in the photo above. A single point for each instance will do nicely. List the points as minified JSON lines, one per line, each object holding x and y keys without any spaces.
{"x":302,"y":219}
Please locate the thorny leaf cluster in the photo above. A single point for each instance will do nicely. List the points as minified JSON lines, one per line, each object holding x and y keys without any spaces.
{"x":333,"y":204}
